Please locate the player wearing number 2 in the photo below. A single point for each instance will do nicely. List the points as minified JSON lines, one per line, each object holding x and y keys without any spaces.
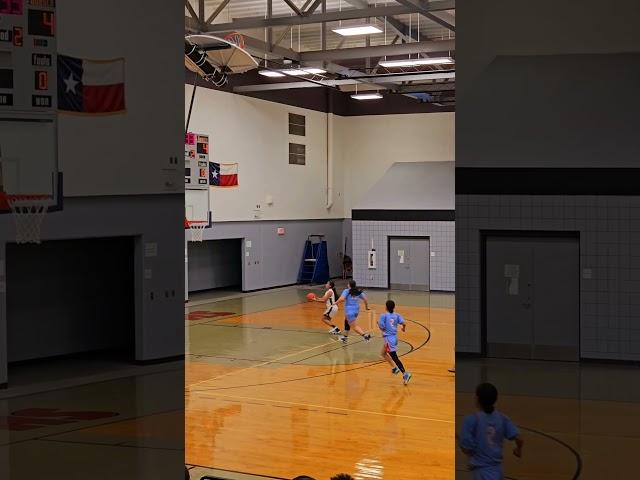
{"x":388,"y":324}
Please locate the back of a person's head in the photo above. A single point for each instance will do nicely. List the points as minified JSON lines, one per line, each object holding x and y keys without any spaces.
{"x":487,"y":396}
{"x":342,"y":476}
{"x":303,"y":477}
{"x":391,"y":305}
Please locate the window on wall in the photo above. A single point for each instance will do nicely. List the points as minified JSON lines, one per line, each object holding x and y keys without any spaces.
{"x":297,"y":154}
{"x":297,"y":124}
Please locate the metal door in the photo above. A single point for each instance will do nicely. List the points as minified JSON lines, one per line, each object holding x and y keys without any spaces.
{"x":532,"y":297}
{"x":409,"y":263}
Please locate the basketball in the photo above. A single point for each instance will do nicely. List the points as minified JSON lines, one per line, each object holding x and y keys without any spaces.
{"x":311,"y":296}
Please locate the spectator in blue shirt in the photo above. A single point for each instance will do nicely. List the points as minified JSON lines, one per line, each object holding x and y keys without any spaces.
{"x":483,"y":435}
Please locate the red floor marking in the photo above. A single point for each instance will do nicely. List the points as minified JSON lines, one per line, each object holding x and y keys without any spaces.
{"x":34,"y":418}
{"x":201,"y":314}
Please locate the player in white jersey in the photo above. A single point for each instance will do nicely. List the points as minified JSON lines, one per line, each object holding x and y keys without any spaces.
{"x":331,"y":310}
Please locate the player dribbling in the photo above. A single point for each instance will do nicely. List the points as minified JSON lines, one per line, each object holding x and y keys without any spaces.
{"x":331,"y":309}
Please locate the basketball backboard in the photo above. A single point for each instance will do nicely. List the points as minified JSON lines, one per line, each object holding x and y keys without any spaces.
{"x":29,"y":158}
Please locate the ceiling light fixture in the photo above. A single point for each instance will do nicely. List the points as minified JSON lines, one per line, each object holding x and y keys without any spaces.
{"x":367,"y":29}
{"x":270,"y":73}
{"x":367,"y":96}
{"x":303,"y":71}
{"x":415,"y":62}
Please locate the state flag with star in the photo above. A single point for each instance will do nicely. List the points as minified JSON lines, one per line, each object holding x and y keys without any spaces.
{"x":90,"y":86}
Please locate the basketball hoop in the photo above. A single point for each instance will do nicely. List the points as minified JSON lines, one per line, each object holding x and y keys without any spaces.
{"x":28,"y":212}
{"x":236,"y":38}
{"x":197,"y":229}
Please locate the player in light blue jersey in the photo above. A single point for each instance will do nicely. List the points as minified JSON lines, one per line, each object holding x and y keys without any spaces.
{"x":352,"y":297}
{"x":388,"y":324}
{"x":483,"y":435}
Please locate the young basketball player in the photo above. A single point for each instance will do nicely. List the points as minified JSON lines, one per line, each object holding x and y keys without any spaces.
{"x":352,"y":297}
{"x":388,"y":324}
{"x":329,"y":298}
{"x":483,"y":435}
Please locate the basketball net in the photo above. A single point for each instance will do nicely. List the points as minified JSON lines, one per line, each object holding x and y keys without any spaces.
{"x":196,"y":229}
{"x":28,"y":213}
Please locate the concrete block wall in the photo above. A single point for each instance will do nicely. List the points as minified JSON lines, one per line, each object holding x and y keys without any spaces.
{"x":609,"y":228}
{"x":442,"y":244}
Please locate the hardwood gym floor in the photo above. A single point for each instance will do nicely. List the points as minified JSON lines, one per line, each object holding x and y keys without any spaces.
{"x":269,"y":392}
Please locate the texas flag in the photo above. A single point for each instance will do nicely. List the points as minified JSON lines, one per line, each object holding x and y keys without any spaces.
{"x":223,"y":174}
{"x":90,"y":86}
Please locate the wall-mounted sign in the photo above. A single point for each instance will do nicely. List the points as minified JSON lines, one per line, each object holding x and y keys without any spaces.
{"x":280,"y":231}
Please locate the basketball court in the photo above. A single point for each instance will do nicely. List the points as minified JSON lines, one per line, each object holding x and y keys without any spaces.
{"x":264,"y":377}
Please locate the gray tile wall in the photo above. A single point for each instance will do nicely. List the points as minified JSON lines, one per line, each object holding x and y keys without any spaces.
{"x":609,"y":246}
{"x":442,"y":244}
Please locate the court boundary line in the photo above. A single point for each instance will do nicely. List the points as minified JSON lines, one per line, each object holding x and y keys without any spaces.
{"x":319,"y":375}
{"x":324,"y":407}
{"x":260,"y":364}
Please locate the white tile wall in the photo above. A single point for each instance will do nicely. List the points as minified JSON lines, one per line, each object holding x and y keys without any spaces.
{"x":442,"y":243}
{"x":609,"y":229}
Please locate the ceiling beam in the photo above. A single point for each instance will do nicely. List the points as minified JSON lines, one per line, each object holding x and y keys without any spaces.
{"x":217,"y":12}
{"x":378,"y":79}
{"x":293,"y":7}
{"x":423,"y":8}
{"x":192,"y":12}
{"x":379,"y":51}
{"x":352,"y":14}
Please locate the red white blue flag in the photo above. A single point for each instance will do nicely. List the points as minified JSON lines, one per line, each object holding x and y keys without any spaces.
{"x":90,"y":86}
{"x":223,"y":174}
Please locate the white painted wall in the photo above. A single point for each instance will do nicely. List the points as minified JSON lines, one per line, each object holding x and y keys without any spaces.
{"x":255,"y":134}
{"x":125,"y":153}
{"x":371,"y":144}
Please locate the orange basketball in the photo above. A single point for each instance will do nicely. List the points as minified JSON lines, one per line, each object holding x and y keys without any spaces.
{"x":311,"y":296}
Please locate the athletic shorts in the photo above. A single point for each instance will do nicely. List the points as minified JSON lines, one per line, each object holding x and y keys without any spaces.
{"x":487,"y":473}
{"x":351,"y":315}
{"x":331,"y":311}
{"x":391,"y":344}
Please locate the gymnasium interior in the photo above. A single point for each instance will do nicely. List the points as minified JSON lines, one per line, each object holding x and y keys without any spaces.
{"x":156,"y":319}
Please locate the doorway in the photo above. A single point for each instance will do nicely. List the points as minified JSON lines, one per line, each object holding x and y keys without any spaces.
{"x":531,"y":294}
{"x":409,"y":263}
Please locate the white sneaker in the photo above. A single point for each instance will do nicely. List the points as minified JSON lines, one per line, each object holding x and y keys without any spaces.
{"x":334,"y":331}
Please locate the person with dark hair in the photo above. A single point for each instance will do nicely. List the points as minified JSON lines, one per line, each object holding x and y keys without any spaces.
{"x":331,"y":309}
{"x":388,"y":324}
{"x":352,"y":297}
{"x":342,"y":476}
{"x":483,"y":435}
{"x":304,"y":477}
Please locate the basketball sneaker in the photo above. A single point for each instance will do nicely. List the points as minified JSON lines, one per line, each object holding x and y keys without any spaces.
{"x":334,"y":331}
{"x":343,"y":339}
{"x":406,"y":377}
{"x":395,"y":370}
{"x":367,"y":337}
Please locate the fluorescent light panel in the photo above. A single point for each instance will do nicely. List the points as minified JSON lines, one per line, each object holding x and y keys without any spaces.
{"x":271,"y":73}
{"x":366,"y":96}
{"x":304,"y":71}
{"x":357,"y":30}
{"x":414,"y":62}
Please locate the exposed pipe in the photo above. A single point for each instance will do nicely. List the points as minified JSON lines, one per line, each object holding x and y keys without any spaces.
{"x":329,"y":150}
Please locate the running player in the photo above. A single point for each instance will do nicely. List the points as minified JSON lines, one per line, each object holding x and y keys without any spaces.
{"x":388,"y":324}
{"x":352,"y":297}
{"x":329,"y":298}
